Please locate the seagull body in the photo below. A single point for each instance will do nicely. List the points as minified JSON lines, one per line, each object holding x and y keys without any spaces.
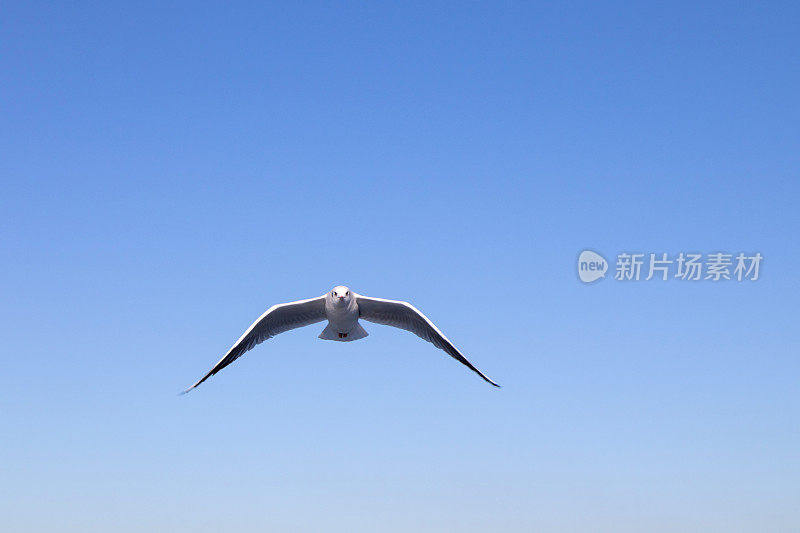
{"x":342,"y":309}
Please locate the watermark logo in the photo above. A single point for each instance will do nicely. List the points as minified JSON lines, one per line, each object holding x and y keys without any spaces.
{"x":591,"y":266}
{"x":685,"y":266}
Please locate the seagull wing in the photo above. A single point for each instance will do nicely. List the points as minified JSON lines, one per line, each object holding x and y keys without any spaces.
{"x":403,"y":315}
{"x":277,"y":319}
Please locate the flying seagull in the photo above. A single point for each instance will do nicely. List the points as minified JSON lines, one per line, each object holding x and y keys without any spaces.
{"x":342,"y":309}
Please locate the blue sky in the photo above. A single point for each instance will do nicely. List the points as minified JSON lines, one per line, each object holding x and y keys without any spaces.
{"x":170,"y":171}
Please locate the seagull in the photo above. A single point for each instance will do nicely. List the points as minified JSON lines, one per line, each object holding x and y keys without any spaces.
{"x":342,"y":309}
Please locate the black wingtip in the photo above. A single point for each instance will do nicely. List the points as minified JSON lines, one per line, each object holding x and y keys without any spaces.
{"x":487,"y":380}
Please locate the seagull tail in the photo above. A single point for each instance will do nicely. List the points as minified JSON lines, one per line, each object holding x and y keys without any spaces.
{"x":330,"y":333}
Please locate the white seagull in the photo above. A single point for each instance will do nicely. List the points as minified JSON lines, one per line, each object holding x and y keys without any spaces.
{"x":342,"y":309}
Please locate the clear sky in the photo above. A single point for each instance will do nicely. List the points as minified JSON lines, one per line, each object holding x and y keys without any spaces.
{"x":170,"y":171}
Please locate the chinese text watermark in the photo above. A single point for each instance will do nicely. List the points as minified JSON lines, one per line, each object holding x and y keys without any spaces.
{"x":686,"y":266}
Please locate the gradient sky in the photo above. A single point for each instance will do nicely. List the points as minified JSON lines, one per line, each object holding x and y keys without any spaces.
{"x":170,"y":171}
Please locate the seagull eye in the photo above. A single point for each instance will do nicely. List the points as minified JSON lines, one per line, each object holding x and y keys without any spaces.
{"x":347,"y":293}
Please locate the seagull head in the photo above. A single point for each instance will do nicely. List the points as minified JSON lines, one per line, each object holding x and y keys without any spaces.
{"x":340,"y":295}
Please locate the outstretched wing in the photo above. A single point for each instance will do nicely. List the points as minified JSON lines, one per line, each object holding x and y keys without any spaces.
{"x":405,"y":316}
{"x":277,"y":319}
